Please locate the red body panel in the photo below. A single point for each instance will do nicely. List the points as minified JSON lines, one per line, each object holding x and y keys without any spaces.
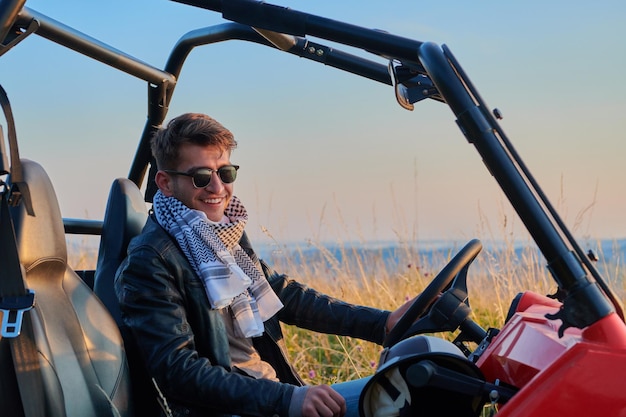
{"x":580,"y":374}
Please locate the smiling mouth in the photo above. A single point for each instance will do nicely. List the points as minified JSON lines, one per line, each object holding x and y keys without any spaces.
{"x":212,"y":200}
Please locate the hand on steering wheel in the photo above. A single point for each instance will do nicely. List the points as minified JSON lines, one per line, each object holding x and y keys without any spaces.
{"x":438,"y":285}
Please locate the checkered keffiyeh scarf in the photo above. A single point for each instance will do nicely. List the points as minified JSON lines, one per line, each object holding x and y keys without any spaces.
{"x":230,"y":277}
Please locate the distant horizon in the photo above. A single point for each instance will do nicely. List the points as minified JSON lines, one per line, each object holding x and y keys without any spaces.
{"x":599,"y":246}
{"x":429,"y":243}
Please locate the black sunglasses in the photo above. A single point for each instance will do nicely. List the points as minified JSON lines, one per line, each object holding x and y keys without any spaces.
{"x":201,"y":177}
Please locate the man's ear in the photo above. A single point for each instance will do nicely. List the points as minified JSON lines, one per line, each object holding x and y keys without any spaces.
{"x":164,"y":182}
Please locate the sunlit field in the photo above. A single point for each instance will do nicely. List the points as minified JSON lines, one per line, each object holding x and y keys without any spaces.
{"x":374,"y":278}
{"x":386,"y":276}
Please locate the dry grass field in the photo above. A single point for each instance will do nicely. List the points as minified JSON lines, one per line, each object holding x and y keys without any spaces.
{"x":384,"y":279}
{"x":494,"y":279}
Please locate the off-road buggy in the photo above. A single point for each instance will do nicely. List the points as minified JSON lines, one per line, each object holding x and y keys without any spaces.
{"x":65,"y":352}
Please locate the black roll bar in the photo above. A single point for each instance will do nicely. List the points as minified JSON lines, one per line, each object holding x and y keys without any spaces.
{"x":477,"y":124}
{"x":479,"y":127}
{"x":66,"y":36}
{"x":302,"y":48}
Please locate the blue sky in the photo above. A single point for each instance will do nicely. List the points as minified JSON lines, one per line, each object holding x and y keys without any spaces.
{"x":330,"y":156}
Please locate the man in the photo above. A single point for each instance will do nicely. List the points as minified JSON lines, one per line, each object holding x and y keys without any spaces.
{"x":205,"y":311}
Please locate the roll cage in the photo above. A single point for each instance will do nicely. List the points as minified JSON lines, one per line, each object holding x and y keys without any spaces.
{"x":416,"y":71}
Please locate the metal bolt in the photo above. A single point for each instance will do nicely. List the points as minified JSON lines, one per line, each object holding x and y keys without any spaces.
{"x":494,"y":395}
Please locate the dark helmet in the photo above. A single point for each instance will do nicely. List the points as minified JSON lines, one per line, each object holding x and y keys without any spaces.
{"x":404,"y":385}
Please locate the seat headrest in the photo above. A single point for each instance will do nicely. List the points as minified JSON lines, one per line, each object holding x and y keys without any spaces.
{"x":42,"y":236}
{"x":125,"y":216}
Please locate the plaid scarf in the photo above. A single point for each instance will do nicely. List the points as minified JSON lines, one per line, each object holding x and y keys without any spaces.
{"x":230,"y":277}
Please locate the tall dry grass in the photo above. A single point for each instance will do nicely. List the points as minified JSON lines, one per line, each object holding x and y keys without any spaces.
{"x":371,"y":278}
{"x":497,"y":275}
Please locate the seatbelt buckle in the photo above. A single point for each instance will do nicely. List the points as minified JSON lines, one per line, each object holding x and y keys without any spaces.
{"x":13,"y":309}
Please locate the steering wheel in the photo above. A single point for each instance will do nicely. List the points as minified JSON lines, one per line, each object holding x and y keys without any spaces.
{"x":439,"y":284}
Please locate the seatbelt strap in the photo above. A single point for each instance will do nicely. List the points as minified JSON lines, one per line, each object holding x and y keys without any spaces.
{"x":17,"y":327}
{"x":19,"y":189}
{"x":15,"y":299}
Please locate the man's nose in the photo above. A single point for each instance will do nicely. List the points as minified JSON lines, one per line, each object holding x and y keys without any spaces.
{"x":216,"y":184}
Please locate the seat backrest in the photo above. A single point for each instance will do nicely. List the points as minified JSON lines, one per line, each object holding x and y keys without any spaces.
{"x":82,"y":358}
{"x":124,"y":218}
{"x":126,"y":214}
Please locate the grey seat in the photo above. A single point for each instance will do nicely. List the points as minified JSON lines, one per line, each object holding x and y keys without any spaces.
{"x":84,"y":367}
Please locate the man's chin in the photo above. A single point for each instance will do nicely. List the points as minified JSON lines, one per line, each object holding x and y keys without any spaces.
{"x":214,"y":215}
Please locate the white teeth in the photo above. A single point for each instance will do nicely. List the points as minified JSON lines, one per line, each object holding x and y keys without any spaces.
{"x":212,"y":200}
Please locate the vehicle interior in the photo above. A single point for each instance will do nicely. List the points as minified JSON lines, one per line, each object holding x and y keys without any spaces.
{"x":65,"y":351}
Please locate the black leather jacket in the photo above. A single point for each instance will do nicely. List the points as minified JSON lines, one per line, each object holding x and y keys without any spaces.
{"x":184,"y":342}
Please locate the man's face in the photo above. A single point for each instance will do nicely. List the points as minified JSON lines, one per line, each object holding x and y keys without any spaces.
{"x":213,"y":198}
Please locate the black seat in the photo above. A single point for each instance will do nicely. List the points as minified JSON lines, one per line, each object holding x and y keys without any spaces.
{"x":82,"y":358}
{"x":125,"y":216}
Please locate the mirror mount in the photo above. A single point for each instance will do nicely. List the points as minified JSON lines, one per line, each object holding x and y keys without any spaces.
{"x":410,"y":85}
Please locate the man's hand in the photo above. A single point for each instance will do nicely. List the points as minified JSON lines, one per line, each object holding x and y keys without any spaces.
{"x":323,"y":401}
{"x":397,"y":314}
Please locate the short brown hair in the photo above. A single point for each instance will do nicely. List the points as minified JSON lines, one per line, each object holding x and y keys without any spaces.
{"x":195,"y":128}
